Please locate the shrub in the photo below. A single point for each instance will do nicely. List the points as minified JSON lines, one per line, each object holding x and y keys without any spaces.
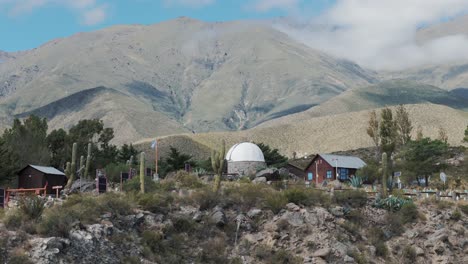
{"x":395,"y":223}
{"x":283,"y":224}
{"x":307,"y":197}
{"x":113,"y":171}
{"x":456,"y":215}
{"x":14,"y":218}
{"x":356,"y":182}
{"x":464,"y":208}
{"x":206,"y":198}
{"x":409,"y":254}
{"x":392,"y":203}
{"x":275,"y":201}
{"x":246,"y":195}
{"x":296,"y":195}
{"x":32,"y":206}
{"x":133,"y":185}
{"x":355,"y":217}
{"x":284,"y":257}
{"x":20,"y":258}
{"x":56,"y":222}
{"x":442,"y":204}
{"x":263,"y":252}
{"x":213,"y":251}
{"x":353,"y":198}
{"x":186,"y":180}
{"x":409,"y":213}
{"x":352,"y":228}
{"x":358,"y":257}
{"x":155,"y":202}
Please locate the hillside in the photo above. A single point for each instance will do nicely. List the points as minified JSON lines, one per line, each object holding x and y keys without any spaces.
{"x":204,"y":76}
{"x":331,"y":133}
{"x":386,"y":93}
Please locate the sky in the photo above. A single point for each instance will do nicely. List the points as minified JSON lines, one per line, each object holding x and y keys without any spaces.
{"x":26,"y":24}
{"x":377,"y":34}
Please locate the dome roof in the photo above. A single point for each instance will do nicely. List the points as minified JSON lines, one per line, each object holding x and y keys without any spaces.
{"x":245,"y":152}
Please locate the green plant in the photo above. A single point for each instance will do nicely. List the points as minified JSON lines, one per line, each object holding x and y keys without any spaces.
{"x":187,"y":180}
{"x":32,"y":206}
{"x":392,"y":203}
{"x":19,"y":258}
{"x":409,"y":254}
{"x":376,"y":237}
{"x":353,"y":198}
{"x":133,"y":185}
{"x":383,"y":193}
{"x":464,"y":208}
{"x":72,"y":170}
{"x":356,"y":182}
{"x":275,"y":201}
{"x":217,"y":162}
{"x":409,"y":213}
{"x":142,"y":172}
{"x":88,"y":162}
{"x":296,"y":195}
{"x":456,"y":215}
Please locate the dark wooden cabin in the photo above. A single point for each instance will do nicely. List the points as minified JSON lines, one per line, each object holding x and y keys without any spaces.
{"x":32,"y":177}
{"x":327,"y":167}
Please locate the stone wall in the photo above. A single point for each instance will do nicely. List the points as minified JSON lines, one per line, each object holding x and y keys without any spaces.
{"x":245,"y":168}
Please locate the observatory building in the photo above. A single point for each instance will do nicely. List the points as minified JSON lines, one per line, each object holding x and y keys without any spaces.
{"x":245,"y":159}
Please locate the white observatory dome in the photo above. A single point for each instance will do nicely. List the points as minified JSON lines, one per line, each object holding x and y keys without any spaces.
{"x":245,"y":152}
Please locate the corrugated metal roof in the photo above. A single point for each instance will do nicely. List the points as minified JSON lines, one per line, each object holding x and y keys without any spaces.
{"x":343,"y":161}
{"x":48,"y":170}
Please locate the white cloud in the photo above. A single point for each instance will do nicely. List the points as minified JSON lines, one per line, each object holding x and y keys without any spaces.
{"x":189,"y":3}
{"x":267,"y":5}
{"x":382,"y":34}
{"x":95,"y":15}
{"x":89,"y":10}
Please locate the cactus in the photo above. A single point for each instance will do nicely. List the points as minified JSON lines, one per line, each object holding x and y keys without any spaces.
{"x":130,"y":162}
{"x":217,"y":162}
{"x":68,"y":170}
{"x":384,"y":175}
{"x":142,"y":172}
{"x":82,"y":162}
{"x":88,"y":162}
{"x":72,"y":170}
{"x":356,"y":182}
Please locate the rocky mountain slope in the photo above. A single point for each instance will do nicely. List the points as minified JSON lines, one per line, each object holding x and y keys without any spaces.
{"x":204,"y":76}
{"x":242,"y":225}
{"x":322,"y":134}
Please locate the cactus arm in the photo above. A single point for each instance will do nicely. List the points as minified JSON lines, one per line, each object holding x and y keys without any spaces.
{"x":142,"y":172}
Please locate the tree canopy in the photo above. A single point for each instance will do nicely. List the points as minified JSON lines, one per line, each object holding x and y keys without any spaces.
{"x":272,"y":156}
{"x":176,"y":160}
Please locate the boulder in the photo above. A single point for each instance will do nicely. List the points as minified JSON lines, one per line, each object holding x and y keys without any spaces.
{"x":269,"y":174}
{"x":323,"y":252}
{"x":260,"y":180}
{"x":419,"y":251}
{"x":254,"y":212}
{"x":218,"y":217}
{"x":336,"y":184}
{"x":348,"y":259}
{"x":82,"y":186}
{"x":293,"y":207}
{"x":337,"y":211}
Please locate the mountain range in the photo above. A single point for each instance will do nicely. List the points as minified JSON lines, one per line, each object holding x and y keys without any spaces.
{"x":189,"y":76}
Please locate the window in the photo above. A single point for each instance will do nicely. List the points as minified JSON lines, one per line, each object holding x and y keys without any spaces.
{"x":329,"y":174}
{"x":310,"y":176}
{"x":343,"y":173}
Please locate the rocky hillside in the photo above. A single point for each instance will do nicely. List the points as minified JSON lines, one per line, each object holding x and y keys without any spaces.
{"x":204,"y":76}
{"x":245,"y":223}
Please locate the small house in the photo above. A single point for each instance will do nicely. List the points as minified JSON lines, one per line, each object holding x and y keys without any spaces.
{"x":328,"y":167}
{"x":33,"y":177}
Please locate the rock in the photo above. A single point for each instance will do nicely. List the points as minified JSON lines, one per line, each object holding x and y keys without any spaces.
{"x":82,"y":186}
{"x":254,"y":212}
{"x":293,"y":207}
{"x":318,"y":261}
{"x":323,"y":252}
{"x":293,"y":218}
{"x":336,"y":184}
{"x":337,"y":211}
{"x":371,"y":250}
{"x":218,"y":217}
{"x":411,"y":234}
{"x":197,"y":217}
{"x":260,"y":180}
{"x":419,"y":251}
{"x":348,"y":259}
{"x":269,"y":174}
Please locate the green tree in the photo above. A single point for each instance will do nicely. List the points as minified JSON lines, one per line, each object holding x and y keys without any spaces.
{"x":424,"y":157}
{"x":403,"y":125}
{"x":125,"y":152}
{"x":57,"y":142}
{"x":26,"y":143}
{"x":272,"y":156}
{"x":369,"y":173}
{"x":388,"y":132}
{"x":176,"y":160}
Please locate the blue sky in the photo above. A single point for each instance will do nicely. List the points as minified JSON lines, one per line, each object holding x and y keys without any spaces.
{"x":26,"y":24}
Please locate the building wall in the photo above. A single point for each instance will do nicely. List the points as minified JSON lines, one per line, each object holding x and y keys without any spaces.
{"x":245,"y":168}
{"x":321,"y":170}
{"x":30,"y":178}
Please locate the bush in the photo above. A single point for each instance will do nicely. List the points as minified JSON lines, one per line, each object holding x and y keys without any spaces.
{"x":284,"y":257}
{"x":56,"y":222}
{"x":464,"y":208}
{"x":246,"y":195}
{"x":456,"y":215}
{"x":184,"y":179}
{"x":20,"y":258}
{"x":133,"y":185}
{"x":154,"y":202}
{"x":213,"y":251}
{"x":113,"y":171}
{"x":409,"y":254}
{"x":307,"y":197}
{"x":352,"y":198}
{"x":409,"y":213}
{"x":14,"y":219}
{"x":206,"y":198}
{"x":275,"y":201}
{"x":32,"y":206}
{"x":358,"y":257}
{"x":392,"y":203}
{"x":395,"y":223}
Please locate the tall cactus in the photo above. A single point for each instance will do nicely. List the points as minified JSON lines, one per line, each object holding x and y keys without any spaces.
{"x":142,"y":172}
{"x":72,"y":171}
{"x":384,"y":175}
{"x":217,"y":163}
{"x":82,"y":163}
{"x":130,"y":162}
{"x":68,"y":170}
{"x":88,"y":162}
